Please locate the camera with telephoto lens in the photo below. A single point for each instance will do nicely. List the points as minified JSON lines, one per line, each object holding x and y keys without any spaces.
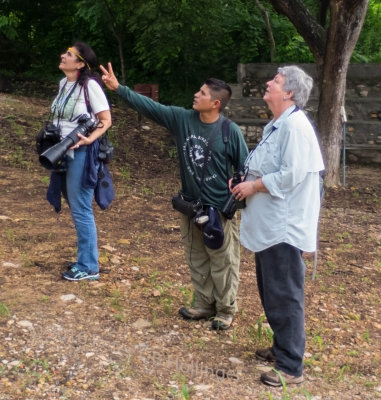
{"x":232,"y":205}
{"x":52,"y":157}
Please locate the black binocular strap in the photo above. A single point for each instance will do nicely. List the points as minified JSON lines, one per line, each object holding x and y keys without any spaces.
{"x":208,"y":150}
{"x":225,"y":137}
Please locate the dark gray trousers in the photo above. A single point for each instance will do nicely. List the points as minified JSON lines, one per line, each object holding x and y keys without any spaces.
{"x":280,"y":277}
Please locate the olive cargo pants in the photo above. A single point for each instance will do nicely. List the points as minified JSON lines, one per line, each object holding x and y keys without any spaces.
{"x":214,"y":273}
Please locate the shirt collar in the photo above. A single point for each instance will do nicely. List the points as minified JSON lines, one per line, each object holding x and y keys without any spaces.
{"x":284,"y":115}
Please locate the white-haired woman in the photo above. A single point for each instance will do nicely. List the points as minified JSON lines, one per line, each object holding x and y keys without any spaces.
{"x":282,"y":193}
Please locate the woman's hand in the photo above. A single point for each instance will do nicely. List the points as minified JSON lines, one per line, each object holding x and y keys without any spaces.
{"x":244,"y":189}
{"x":104,"y":118}
{"x":108,"y":77}
{"x":248,"y":188}
{"x":83,"y":141}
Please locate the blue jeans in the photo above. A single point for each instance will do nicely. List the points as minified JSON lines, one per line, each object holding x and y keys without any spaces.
{"x":80,"y":202}
{"x":280,"y":277}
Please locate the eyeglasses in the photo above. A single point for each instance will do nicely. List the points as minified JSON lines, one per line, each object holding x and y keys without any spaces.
{"x":75,"y":52}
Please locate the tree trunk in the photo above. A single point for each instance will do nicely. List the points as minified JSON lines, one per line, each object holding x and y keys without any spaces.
{"x":346,"y":20}
{"x":306,"y":25}
{"x":328,"y":120}
{"x":332,"y":51}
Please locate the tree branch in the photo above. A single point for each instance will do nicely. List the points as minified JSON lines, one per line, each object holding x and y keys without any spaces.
{"x":306,"y":25}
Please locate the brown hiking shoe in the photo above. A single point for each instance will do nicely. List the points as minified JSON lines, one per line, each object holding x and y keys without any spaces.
{"x":272,"y":378}
{"x":222,"y":322}
{"x":195,"y":313}
{"x":265,"y":354}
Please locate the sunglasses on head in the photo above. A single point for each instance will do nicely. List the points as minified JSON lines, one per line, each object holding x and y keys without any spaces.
{"x":75,"y":52}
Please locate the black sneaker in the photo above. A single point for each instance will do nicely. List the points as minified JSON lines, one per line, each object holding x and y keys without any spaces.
{"x":75,"y":274}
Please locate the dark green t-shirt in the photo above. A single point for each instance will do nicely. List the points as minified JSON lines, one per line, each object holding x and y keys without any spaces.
{"x":192,"y":136}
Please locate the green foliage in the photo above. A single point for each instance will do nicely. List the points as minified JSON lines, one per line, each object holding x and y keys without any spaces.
{"x":295,"y":50}
{"x":175,"y":43}
{"x":9,"y":25}
{"x":181,"y":43}
{"x":368,"y":48}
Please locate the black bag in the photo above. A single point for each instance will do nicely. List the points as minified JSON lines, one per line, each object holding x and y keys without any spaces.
{"x":106,"y":149}
{"x":213,"y":231}
{"x":189,"y":208}
{"x":48,"y":136}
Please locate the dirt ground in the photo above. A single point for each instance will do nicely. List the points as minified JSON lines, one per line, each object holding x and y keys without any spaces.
{"x":121,"y":337}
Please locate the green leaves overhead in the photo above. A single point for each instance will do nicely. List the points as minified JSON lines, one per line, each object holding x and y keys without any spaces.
{"x":175,"y":43}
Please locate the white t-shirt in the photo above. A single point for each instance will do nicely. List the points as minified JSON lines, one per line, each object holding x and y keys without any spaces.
{"x":288,"y":159}
{"x":76,"y":104}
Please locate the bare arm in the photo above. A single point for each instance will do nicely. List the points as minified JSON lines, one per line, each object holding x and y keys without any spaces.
{"x":104,"y":118}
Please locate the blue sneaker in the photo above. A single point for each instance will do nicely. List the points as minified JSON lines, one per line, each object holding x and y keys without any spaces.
{"x":75,"y":274}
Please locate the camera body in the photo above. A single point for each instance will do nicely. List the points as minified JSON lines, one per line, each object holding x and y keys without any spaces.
{"x":191,"y":208}
{"x":232,"y":205}
{"x":51,"y":158}
{"x":48,"y":136}
{"x":106,"y":150}
{"x":201,"y":218}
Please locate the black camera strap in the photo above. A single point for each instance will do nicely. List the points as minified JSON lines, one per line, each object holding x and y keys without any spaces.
{"x":225,"y":138}
{"x":87,"y":100}
{"x":208,"y":150}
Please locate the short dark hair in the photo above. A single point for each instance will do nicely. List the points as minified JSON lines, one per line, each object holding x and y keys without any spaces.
{"x":219,"y":90}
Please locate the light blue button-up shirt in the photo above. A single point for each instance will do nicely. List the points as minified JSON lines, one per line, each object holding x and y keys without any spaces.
{"x":288,"y":159}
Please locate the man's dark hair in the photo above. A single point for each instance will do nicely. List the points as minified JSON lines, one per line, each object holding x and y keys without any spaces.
{"x":219,"y":90}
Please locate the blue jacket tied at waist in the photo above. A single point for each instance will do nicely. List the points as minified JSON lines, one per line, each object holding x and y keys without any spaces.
{"x":96,"y":176}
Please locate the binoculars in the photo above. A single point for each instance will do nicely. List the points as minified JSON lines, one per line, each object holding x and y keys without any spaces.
{"x":232,"y":205}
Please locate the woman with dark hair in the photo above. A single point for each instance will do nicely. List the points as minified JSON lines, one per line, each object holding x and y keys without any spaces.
{"x":80,"y":92}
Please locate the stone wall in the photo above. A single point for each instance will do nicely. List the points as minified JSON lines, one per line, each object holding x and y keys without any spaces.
{"x":362,"y":105}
